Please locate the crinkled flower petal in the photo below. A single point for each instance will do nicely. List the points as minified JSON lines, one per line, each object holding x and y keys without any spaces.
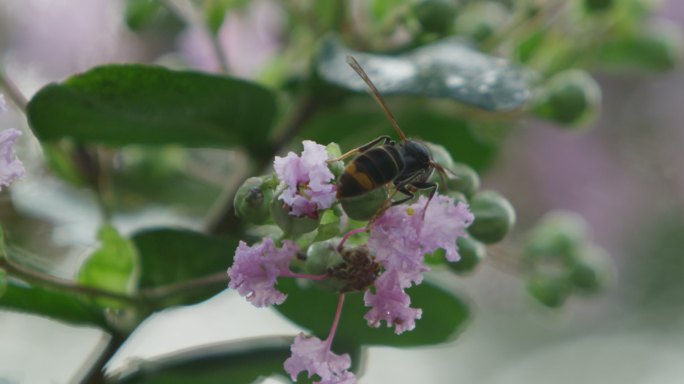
{"x":312,"y":355}
{"x":255,"y":270}
{"x":307,"y":180}
{"x":394,"y":238}
{"x":391,"y":304}
{"x":444,"y":223}
{"x":11,"y":167}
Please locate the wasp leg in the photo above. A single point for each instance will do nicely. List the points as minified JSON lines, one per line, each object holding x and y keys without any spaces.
{"x":413,"y":187}
{"x":384,"y":139}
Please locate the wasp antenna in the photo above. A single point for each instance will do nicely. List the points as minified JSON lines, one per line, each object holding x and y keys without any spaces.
{"x":376,"y":95}
{"x":442,"y":174}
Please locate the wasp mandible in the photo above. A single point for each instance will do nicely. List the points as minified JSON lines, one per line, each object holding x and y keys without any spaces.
{"x":407,"y":164}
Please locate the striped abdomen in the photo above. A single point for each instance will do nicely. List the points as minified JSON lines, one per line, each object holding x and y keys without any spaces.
{"x":371,"y":169}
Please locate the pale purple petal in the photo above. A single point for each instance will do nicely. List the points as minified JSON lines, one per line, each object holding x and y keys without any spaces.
{"x":394,"y":238}
{"x":255,"y":270}
{"x":307,"y":181}
{"x":444,"y":223}
{"x":312,"y":355}
{"x":391,"y":304}
{"x":11,"y":167}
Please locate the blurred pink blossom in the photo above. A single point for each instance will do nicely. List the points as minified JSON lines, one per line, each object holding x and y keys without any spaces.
{"x":249,"y":39}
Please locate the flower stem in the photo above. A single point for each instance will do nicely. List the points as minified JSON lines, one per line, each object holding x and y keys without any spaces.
{"x":348,"y":235}
{"x":322,"y":277}
{"x":336,"y":322}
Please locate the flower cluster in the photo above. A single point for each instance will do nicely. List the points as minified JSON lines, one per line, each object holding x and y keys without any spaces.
{"x":11,"y":168}
{"x":391,"y":260}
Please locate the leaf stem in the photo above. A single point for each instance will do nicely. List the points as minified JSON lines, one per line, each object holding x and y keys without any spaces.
{"x":143,"y":297}
{"x":31,"y":276}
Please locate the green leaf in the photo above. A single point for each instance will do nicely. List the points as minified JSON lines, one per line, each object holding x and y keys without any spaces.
{"x":114,"y":267}
{"x":443,"y":315}
{"x":50,"y":303}
{"x":447,"y":68}
{"x":227,"y":362}
{"x":170,"y":256}
{"x":118,"y":105}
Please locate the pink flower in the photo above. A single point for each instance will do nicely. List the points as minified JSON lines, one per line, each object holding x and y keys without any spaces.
{"x":391,"y":303}
{"x":400,"y":238}
{"x":249,"y":37}
{"x":402,"y":235}
{"x":395,"y":240}
{"x":307,"y":180}
{"x":444,"y":223}
{"x":255,"y":270}
{"x":313,"y":355}
{"x":11,"y":168}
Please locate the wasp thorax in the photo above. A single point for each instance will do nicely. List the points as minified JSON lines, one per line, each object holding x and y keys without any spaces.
{"x":358,"y":271}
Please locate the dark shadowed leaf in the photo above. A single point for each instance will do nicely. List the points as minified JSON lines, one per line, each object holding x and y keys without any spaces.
{"x":136,"y":104}
{"x":357,"y":123}
{"x":228,"y":362}
{"x":444,"y":315}
{"x":447,"y":69}
{"x":49,"y":303}
{"x":171,"y":256}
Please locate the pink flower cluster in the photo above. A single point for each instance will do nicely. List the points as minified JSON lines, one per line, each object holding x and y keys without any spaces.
{"x":307,"y":180}
{"x":399,"y":238}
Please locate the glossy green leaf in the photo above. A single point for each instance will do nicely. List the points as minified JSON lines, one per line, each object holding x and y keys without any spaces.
{"x":118,"y":105}
{"x":444,"y":315}
{"x":227,"y":362}
{"x":50,"y":303}
{"x":171,"y":256}
{"x":113,"y":267}
{"x":446,"y":69}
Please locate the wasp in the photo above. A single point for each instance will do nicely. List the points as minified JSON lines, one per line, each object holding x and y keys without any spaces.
{"x":407,"y":164}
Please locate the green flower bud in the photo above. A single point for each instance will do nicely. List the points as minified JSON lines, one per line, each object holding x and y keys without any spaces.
{"x":571,"y":97}
{"x":334,"y":152}
{"x":321,"y":257}
{"x":435,"y":16}
{"x":551,"y":292}
{"x":658,"y":48}
{"x":292,"y":226}
{"x":479,"y":20}
{"x":472,"y":252}
{"x":464,"y":179}
{"x":494,"y":217}
{"x":559,"y":234}
{"x":598,"y":5}
{"x":253,"y":200}
{"x":593,"y":271}
{"x":363,"y":207}
{"x":139,"y":13}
